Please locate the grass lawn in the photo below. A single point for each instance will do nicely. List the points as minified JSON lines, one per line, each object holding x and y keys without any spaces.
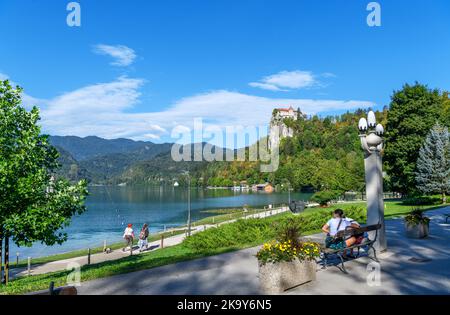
{"x":392,"y":208}
{"x":167,"y":255}
{"x":226,"y":215}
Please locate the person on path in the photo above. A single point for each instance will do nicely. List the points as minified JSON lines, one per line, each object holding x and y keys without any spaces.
{"x":143,"y":236}
{"x":128,"y":236}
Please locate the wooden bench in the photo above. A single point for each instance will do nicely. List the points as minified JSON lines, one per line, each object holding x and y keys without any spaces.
{"x":349,"y":232}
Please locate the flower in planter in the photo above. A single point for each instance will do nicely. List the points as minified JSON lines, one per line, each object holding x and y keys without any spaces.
{"x":288,"y":246}
{"x":273,"y":252}
{"x":416,"y":217}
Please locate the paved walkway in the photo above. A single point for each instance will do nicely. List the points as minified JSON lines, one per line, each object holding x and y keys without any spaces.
{"x":117,"y":254}
{"x":237,"y":272}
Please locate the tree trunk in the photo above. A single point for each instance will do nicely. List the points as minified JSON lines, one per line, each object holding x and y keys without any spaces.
{"x":444,"y":198}
{"x":6,"y":273}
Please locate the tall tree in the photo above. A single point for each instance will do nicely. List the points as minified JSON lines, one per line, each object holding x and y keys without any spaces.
{"x":433,"y":165}
{"x":33,"y":206}
{"x":446,"y":109}
{"x":412,"y":113}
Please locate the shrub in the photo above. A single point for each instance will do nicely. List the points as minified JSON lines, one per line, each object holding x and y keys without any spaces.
{"x":257,"y":231}
{"x":288,"y":230}
{"x":249,"y":231}
{"x":288,"y":246}
{"x":422,"y":201}
{"x":356,"y":213}
{"x":324,"y":197}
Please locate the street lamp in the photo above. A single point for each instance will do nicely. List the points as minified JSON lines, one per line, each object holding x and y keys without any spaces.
{"x":289,"y":192}
{"x":189,"y":221}
{"x":372,"y":143}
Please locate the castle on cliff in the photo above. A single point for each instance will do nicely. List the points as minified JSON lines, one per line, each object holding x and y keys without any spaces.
{"x":277,"y":121}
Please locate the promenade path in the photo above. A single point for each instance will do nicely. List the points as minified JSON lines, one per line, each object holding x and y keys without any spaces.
{"x":117,"y":254}
{"x":408,"y":267}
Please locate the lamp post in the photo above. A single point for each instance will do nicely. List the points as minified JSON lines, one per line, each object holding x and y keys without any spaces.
{"x":289,"y":192}
{"x":189,"y":206}
{"x":372,"y":144}
{"x":189,"y":221}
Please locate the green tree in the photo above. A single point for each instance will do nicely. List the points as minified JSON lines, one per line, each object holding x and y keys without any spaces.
{"x":446,"y":109}
{"x":33,"y":206}
{"x":412,"y":113}
{"x":433,"y":165}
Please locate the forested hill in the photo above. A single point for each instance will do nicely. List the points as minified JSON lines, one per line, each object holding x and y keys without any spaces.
{"x":91,"y":147}
{"x":100,"y":160}
{"x":324,"y":154}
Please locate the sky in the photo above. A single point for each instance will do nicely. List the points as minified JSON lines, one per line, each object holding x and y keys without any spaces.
{"x":146,"y":69}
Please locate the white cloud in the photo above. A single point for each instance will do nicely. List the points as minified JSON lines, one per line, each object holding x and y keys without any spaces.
{"x":152,"y":136}
{"x":157,"y":128}
{"x":328,"y":75}
{"x":101,"y":110}
{"x":266,"y":86}
{"x":104,"y":110}
{"x":232,"y":108}
{"x":286,"y":80}
{"x":98,"y":109}
{"x":123,"y":55}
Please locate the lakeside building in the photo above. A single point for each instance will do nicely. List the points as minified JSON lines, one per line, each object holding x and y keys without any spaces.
{"x":266,"y":187}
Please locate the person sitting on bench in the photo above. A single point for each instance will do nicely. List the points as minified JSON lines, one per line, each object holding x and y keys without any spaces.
{"x":337,"y":224}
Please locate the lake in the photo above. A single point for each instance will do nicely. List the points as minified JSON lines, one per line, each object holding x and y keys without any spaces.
{"x":110,"y":209}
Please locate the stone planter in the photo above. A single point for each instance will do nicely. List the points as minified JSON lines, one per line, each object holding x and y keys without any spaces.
{"x":420,"y":230}
{"x":275,"y":278}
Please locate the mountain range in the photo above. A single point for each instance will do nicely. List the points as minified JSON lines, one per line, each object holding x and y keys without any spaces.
{"x":118,"y":161}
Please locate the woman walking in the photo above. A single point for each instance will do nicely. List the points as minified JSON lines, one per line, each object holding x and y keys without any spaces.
{"x":143,"y":236}
{"x":128,"y":236}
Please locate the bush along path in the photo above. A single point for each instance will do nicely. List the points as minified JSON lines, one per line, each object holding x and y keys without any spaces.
{"x":97,"y":255}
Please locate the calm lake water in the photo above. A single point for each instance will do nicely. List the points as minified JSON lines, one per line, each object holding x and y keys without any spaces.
{"x":110,"y":209}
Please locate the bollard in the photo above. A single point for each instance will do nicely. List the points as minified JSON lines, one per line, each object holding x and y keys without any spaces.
{"x":17,"y":259}
{"x":89,"y":256}
{"x":29,"y":266}
{"x":162,"y":241}
{"x":52,"y":288}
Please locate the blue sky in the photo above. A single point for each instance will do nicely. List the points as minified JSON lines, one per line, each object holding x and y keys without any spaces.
{"x":137,"y":69}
